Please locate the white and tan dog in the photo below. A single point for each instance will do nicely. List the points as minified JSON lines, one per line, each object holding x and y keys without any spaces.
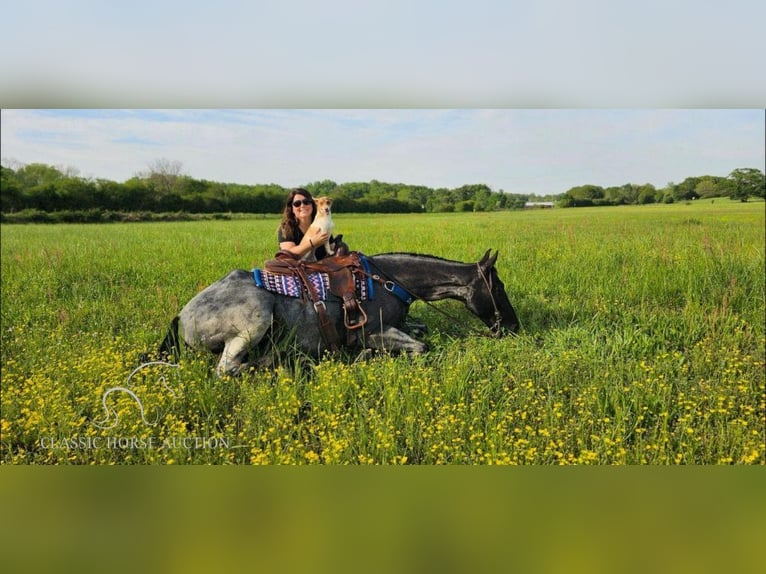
{"x":323,"y":223}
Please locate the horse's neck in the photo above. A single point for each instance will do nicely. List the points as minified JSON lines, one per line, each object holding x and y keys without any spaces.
{"x":428,"y":278}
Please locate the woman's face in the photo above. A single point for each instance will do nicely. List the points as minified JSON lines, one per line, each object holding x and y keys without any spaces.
{"x":302,"y":206}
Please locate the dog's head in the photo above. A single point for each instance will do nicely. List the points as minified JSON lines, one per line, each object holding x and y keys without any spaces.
{"x":323,"y":205}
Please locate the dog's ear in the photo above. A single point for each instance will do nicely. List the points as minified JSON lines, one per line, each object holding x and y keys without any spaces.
{"x":341,"y":248}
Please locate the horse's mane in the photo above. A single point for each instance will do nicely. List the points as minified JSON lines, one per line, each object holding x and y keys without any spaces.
{"x":420,"y":255}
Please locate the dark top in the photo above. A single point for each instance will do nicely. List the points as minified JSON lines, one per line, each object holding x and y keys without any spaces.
{"x":320,"y":252}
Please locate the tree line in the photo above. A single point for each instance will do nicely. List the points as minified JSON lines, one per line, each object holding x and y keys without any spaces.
{"x":163,"y":188}
{"x":38,"y":188}
{"x":740,"y":184}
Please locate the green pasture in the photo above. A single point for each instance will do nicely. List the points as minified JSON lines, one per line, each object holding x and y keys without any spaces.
{"x":642,"y":342}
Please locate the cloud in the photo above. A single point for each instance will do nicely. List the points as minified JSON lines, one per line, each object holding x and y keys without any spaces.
{"x":520,"y":151}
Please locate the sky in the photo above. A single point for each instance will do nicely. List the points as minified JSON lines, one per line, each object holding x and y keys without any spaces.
{"x":538,"y":151}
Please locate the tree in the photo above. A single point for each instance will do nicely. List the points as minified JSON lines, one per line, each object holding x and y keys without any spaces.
{"x":614,"y":195}
{"x":163,"y":176}
{"x":111,"y":194}
{"x":686,"y":189}
{"x":43,"y":197}
{"x":706,"y":188}
{"x":77,"y":193}
{"x":35,"y":174}
{"x":10,"y":191}
{"x":584,"y":195}
{"x":747,"y":181}
{"x":647,"y":194}
{"x":630,"y":192}
{"x":319,"y":188}
{"x":482,"y":199}
{"x":668,"y":193}
{"x":136,"y":195}
{"x":351,"y":190}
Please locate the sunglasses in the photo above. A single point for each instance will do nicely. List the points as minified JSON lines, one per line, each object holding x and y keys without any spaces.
{"x":299,"y":202}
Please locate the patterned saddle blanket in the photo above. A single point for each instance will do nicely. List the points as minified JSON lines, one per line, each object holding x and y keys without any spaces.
{"x":291,"y":286}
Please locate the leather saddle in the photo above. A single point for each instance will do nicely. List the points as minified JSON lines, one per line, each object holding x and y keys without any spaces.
{"x":341,"y":270}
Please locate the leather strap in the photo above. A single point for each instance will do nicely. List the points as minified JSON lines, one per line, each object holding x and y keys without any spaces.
{"x":340,"y":270}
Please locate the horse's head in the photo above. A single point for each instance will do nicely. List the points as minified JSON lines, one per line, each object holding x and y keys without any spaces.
{"x":488,"y":299}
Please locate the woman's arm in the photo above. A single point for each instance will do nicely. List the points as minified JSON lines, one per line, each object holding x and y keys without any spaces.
{"x":300,"y":249}
{"x":306,"y":244}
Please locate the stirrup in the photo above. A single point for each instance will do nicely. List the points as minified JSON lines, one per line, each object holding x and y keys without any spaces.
{"x":354,"y":324}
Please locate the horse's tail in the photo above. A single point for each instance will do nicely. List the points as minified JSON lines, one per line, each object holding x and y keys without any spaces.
{"x":169,"y":346}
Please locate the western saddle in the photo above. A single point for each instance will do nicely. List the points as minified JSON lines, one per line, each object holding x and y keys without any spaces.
{"x":341,"y":269}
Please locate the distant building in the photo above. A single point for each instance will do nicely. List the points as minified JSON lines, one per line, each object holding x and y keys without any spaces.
{"x":538,"y":205}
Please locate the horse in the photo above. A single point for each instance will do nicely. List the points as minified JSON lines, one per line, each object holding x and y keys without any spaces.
{"x":232,"y":315}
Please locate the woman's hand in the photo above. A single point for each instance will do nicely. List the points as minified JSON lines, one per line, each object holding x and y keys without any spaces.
{"x":319,"y":238}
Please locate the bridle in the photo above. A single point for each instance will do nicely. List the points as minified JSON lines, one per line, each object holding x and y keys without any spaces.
{"x":495,"y":327}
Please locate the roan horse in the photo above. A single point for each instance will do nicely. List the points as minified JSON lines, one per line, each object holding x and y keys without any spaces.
{"x":232,"y":315}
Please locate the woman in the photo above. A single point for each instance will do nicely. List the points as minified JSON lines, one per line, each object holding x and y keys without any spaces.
{"x":297,"y":216}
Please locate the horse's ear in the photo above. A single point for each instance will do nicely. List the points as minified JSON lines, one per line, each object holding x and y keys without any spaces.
{"x":488,"y":262}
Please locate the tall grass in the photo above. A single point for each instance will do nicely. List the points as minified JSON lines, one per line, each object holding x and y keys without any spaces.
{"x":642,"y":343}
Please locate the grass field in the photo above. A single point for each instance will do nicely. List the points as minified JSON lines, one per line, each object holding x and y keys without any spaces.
{"x":642,"y":343}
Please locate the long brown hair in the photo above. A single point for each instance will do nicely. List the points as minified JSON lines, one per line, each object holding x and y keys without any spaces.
{"x":289,"y":225}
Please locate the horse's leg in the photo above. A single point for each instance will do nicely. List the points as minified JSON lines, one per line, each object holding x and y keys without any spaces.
{"x":392,"y":339}
{"x":231,"y":358}
{"x":239,"y":345}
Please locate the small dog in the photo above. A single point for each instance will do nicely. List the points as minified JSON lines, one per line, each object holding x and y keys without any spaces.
{"x":322,"y":222}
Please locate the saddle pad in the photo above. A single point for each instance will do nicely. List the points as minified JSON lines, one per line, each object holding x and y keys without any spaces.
{"x":292,"y":286}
